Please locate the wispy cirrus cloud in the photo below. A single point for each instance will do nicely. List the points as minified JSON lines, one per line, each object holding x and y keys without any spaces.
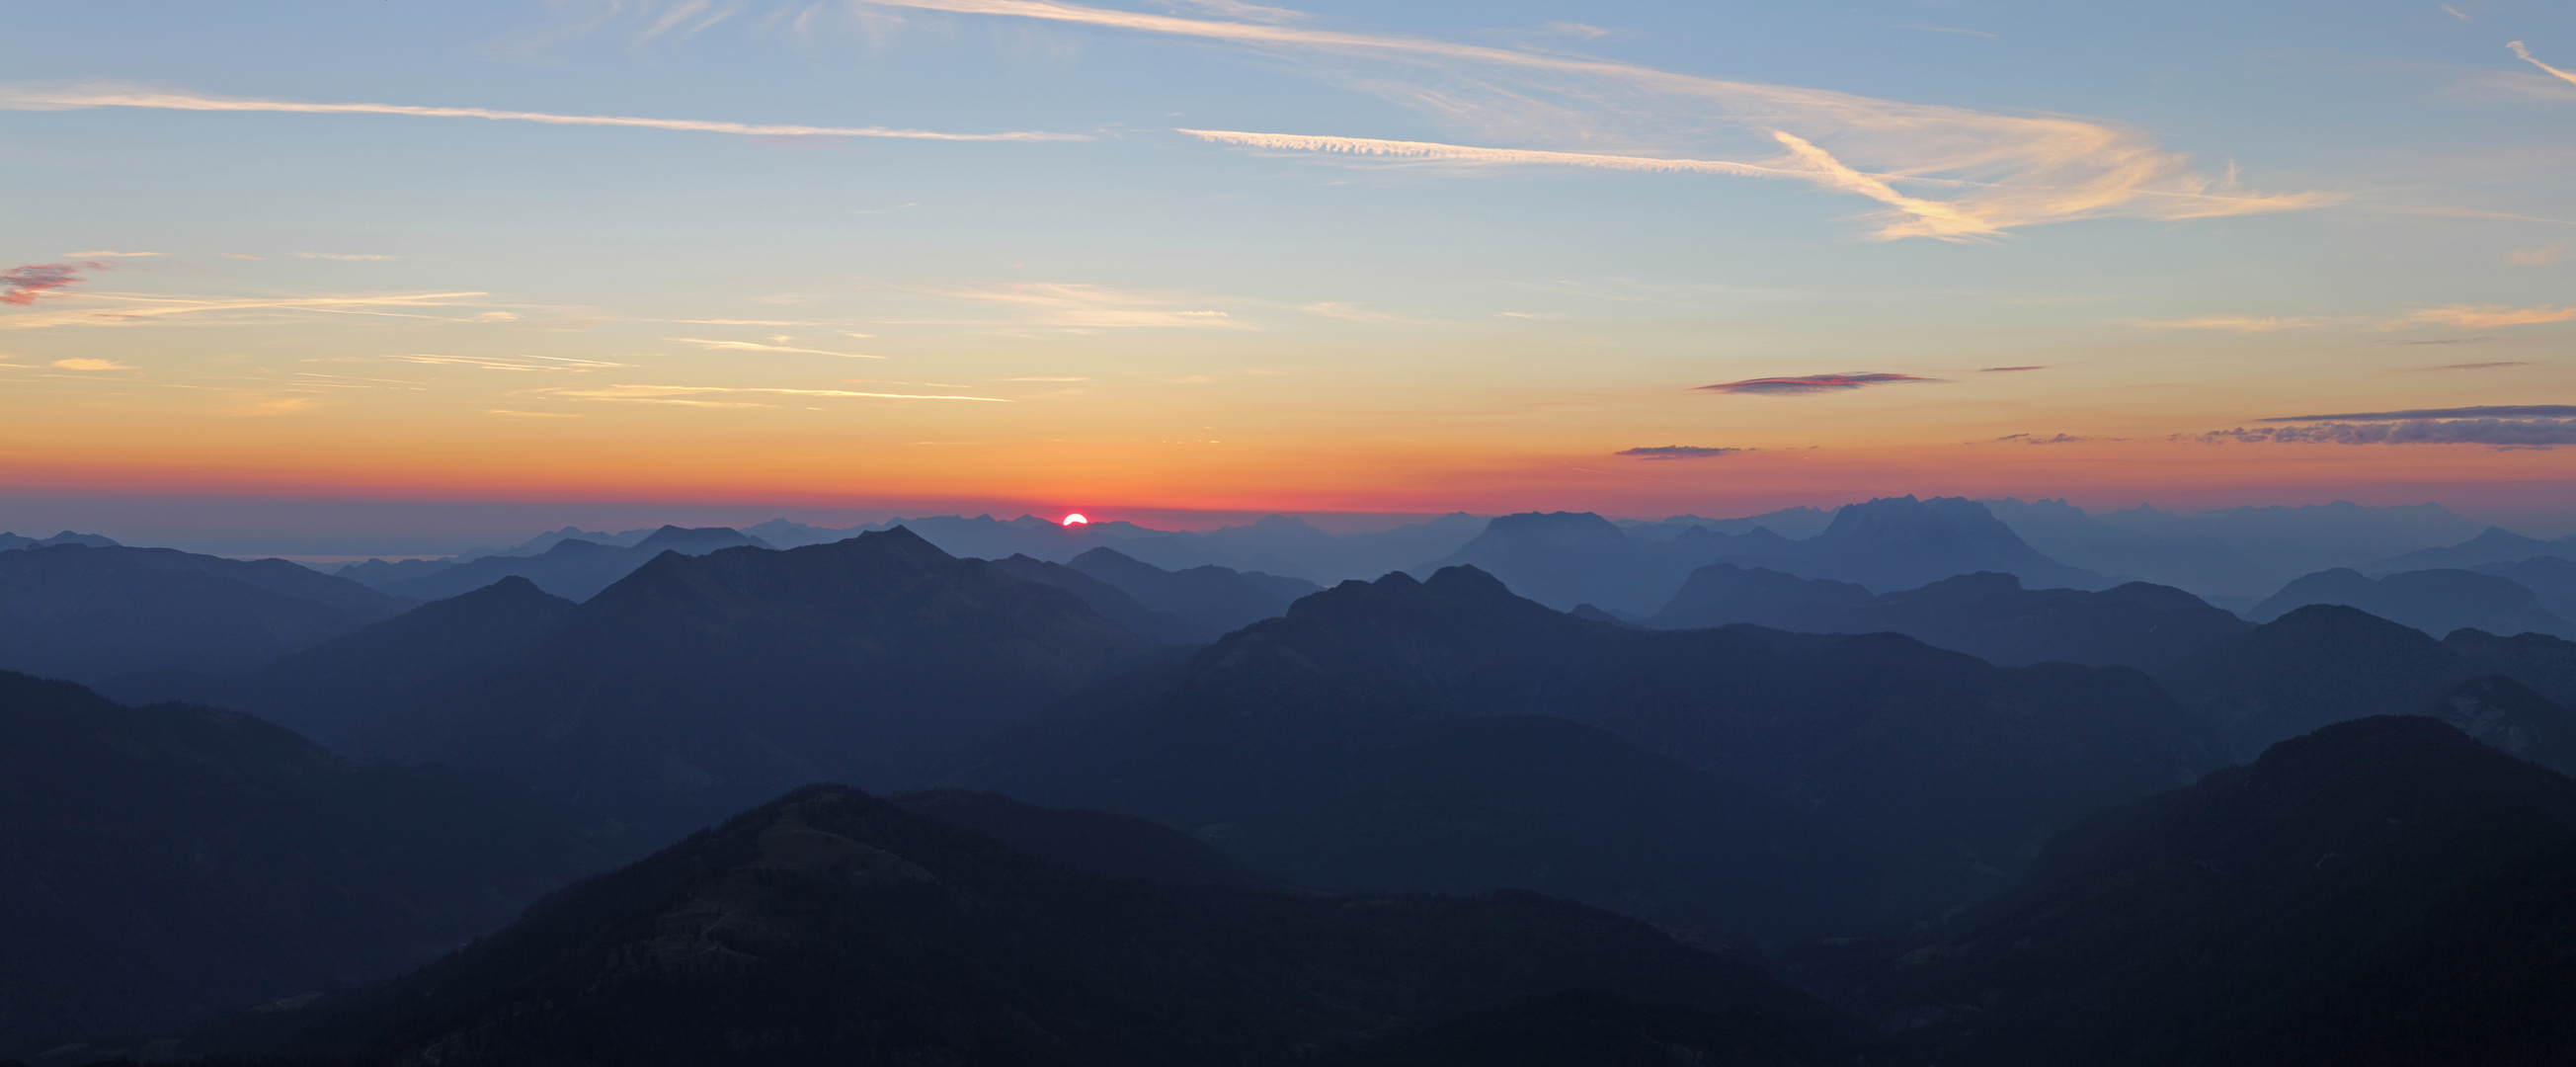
{"x":1812,"y":383}
{"x":2482,"y":366}
{"x":110,"y":255}
{"x":2035,"y":439}
{"x":1999,"y":172}
{"x":131,"y":308}
{"x":753,"y":346}
{"x":2241,"y":323}
{"x":696,"y":394}
{"x":525,"y":364}
{"x":2538,"y":257}
{"x":1670,"y":452}
{"x":2536,"y":427}
{"x":21,"y":285}
{"x":347,"y":257}
{"x":2526,"y":56}
{"x":89,"y":364}
{"x":63,"y":98}
{"x":1087,"y":307}
{"x":2482,"y":316}
{"x":2007,"y":370}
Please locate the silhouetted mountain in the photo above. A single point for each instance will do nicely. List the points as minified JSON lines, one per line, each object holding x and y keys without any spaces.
{"x":10,"y":541}
{"x":573,"y":569}
{"x":92,"y":613}
{"x":2546,"y":664}
{"x":2520,"y":723}
{"x":1095,"y":842}
{"x":699,"y":681}
{"x":1563,"y":558}
{"x":1276,"y":545}
{"x":1989,"y":616}
{"x":2551,"y":579}
{"x":2182,"y":928}
{"x":2436,"y":602}
{"x":831,"y":927}
{"x":2495,"y":544}
{"x":345,"y":689}
{"x":167,"y":862}
{"x":1556,"y":807}
{"x":1111,"y":602}
{"x":1217,"y":600}
{"x":1901,"y":543}
{"x":1948,"y":767}
{"x":2231,"y":556}
{"x":2311,"y":668}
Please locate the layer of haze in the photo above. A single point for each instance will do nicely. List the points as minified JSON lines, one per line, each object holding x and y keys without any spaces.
{"x":1211,"y":258}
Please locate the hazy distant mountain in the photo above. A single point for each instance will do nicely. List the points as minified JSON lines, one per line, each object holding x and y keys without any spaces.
{"x":10,"y":541}
{"x":1989,"y":616}
{"x":345,"y":689}
{"x":2435,"y":601}
{"x":1113,"y":603}
{"x":2546,"y":664}
{"x":1945,"y":765}
{"x":2200,"y":926}
{"x":2495,"y":544}
{"x":167,"y":862}
{"x":1277,"y":545}
{"x":573,"y":569}
{"x":1530,"y":802}
{"x":1563,"y":558}
{"x":1793,"y":524}
{"x":831,"y":927}
{"x":1094,"y":842}
{"x":699,"y":681}
{"x":2550,"y":578}
{"x":1216,"y":599}
{"x":1901,"y":543}
{"x":2232,"y":556}
{"x":86,"y":613}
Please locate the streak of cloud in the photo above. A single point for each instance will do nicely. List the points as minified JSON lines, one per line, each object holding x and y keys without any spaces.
{"x":536,"y":364}
{"x":90,"y":364}
{"x":1812,"y":383}
{"x":2500,"y":411}
{"x":2537,"y":257}
{"x":675,"y":392}
{"x":2481,"y":366}
{"x":2526,"y":56}
{"x":350,"y":257}
{"x":2483,"y":316}
{"x":1670,"y":452}
{"x":109,"y":255}
{"x":34,"y":98}
{"x":20,"y":285}
{"x":2001,"y":370}
{"x":138,"y":307}
{"x":2035,"y":439}
{"x":1081,"y":306}
{"x":2534,"y":434}
{"x":2240,"y":323}
{"x":750,"y":346}
{"x":2007,"y":171}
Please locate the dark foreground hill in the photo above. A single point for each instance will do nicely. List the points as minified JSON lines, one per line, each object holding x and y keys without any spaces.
{"x":829,"y":927}
{"x":699,"y":684}
{"x":162,"y":863}
{"x":1217,"y":600}
{"x":2218,"y":923}
{"x":88,"y":613}
{"x":1986,"y":615}
{"x":1950,"y":769}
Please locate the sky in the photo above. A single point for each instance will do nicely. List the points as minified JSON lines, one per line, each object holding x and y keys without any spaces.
{"x":361,"y":265}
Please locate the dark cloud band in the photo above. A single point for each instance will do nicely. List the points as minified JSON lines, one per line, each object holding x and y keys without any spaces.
{"x":1678,"y":452}
{"x":1812,"y":383}
{"x":2505,"y":411}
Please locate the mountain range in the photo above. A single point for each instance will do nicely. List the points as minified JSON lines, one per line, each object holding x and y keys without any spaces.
{"x":91,"y":613}
{"x":2434,"y":601}
{"x":572,"y":568}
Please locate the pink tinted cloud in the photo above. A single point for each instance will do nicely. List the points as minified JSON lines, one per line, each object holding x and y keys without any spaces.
{"x":1812,"y":383}
{"x":20,"y":285}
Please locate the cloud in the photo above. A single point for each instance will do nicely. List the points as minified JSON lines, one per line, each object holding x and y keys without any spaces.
{"x":109,"y":255}
{"x":2535,"y":434}
{"x":2491,"y":411}
{"x":2454,"y":12}
{"x":2239,"y":323}
{"x":90,"y":364}
{"x":2482,"y":316}
{"x":1335,"y":309}
{"x":34,"y":98}
{"x":1812,"y":383}
{"x":355,"y":257}
{"x":19,"y":285}
{"x":2480,"y":366}
{"x":749,"y":346}
{"x":1091,"y":307}
{"x":1662,"y":452}
{"x":2554,"y":72}
{"x":1046,"y":379}
{"x":2000,"y":171}
{"x":533,"y":414}
{"x":2001,"y":370}
{"x":133,"y":307}
{"x":2032,"y":439}
{"x":2537,"y":257}
{"x":681,"y":394}
{"x":553,"y":364}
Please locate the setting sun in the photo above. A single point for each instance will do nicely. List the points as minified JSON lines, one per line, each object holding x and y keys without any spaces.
{"x":1076,"y":519}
